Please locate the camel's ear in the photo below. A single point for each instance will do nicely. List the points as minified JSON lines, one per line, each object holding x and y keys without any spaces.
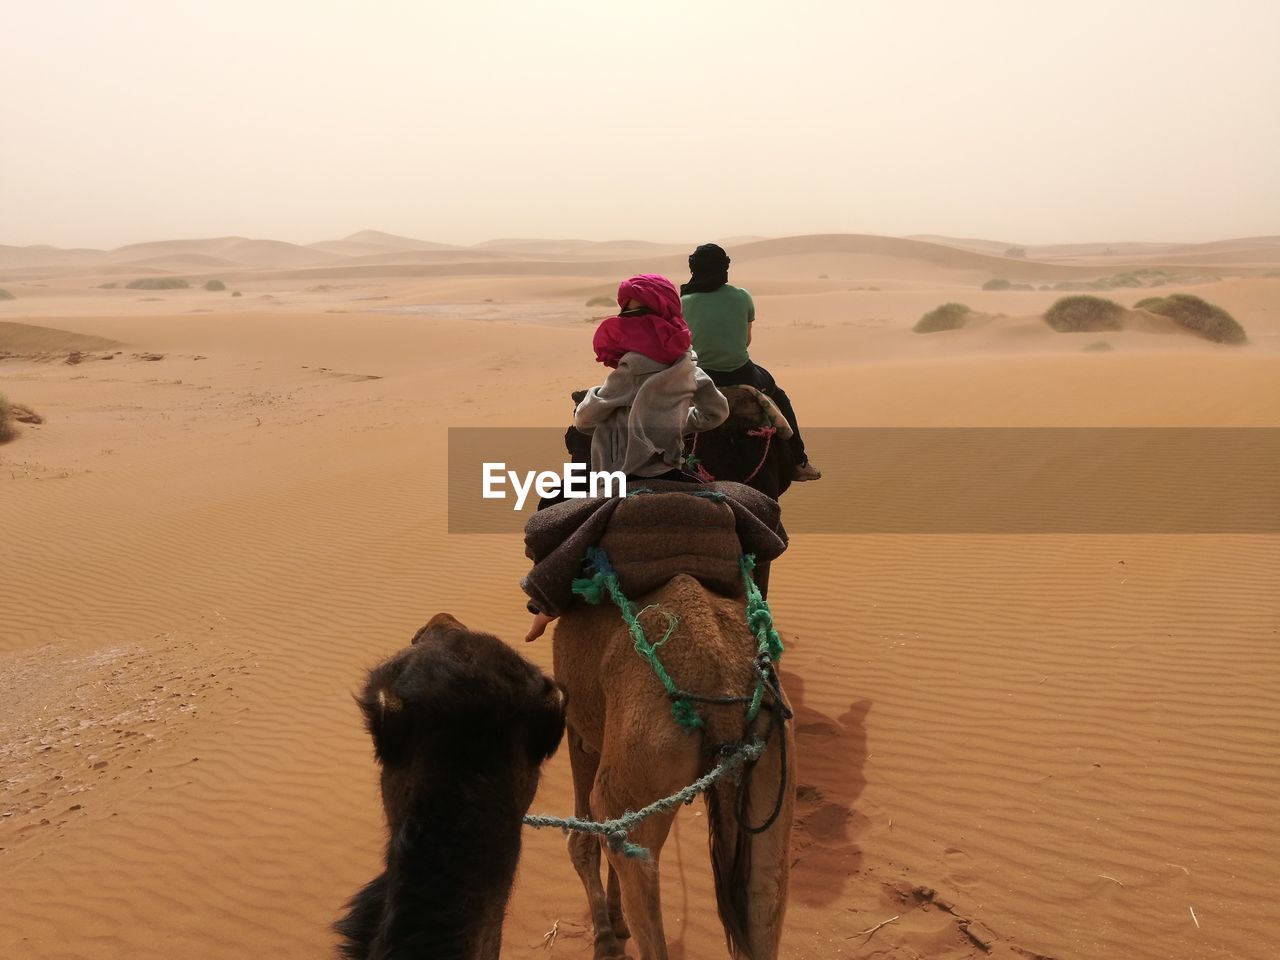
{"x":546,"y":725}
{"x":441,"y":625}
{"x":388,"y":723}
{"x":578,"y":396}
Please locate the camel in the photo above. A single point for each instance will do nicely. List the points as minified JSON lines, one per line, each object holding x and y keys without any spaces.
{"x":626,"y":751}
{"x":461,"y":725}
{"x":737,"y":450}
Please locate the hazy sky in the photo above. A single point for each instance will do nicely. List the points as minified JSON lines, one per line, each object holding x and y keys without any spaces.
{"x":305,"y":120}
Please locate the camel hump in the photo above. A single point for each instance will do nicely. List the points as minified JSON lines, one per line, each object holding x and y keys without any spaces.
{"x":755,"y":406}
{"x":652,"y":538}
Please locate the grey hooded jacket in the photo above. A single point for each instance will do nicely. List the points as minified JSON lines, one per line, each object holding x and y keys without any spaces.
{"x":638,"y":418}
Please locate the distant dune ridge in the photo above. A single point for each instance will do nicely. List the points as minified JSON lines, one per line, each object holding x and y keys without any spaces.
{"x":369,"y":249}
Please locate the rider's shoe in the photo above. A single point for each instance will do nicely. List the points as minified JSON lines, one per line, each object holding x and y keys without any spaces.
{"x":806,"y":471}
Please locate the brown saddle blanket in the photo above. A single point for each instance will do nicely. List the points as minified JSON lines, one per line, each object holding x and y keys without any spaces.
{"x":650,"y":537}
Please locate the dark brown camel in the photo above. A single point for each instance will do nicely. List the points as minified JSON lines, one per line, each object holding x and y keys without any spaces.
{"x":461,"y":725}
{"x":627,"y":751}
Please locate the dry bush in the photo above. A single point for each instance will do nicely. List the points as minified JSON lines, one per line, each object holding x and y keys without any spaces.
{"x":1199,"y":316}
{"x":1075,"y":314}
{"x":158,"y":283}
{"x":949,"y":316}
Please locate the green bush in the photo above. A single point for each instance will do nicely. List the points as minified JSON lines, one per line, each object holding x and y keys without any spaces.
{"x":158,"y":283}
{"x":997,"y":284}
{"x":949,"y":316}
{"x":215,"y":285}
{"x":1073,"y":314}
{"x":1200,"y":317}
{"x":6,"y":295}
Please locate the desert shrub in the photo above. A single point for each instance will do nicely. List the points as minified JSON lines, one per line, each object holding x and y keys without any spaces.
{"x":1021,"y":286}
{"x":158,"y":283}
{"x":1072,"y":314}
{"x":6,"y":295}
{"x":949,"y":316}
{"x":11,"y":414}
{"x":1099,"y":346}
{"x":1017,"y":253}
{"x":997,"y":284}
{"x":109,"y":285}
{"x":237,"y":294}
{"x":602,"y":301}
{"x":215,"y":285}
{"x":1198,"y":316}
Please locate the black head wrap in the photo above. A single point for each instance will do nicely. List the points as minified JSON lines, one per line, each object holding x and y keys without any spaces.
{"x":709,"y":266}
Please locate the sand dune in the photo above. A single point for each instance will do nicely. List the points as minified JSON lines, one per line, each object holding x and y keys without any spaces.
{"x":24,"y":338}
{"x":367,"y":242}
{"x":1054,"y":745}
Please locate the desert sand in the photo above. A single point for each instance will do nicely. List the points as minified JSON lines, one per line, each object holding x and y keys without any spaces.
{"x":1033,"y":745}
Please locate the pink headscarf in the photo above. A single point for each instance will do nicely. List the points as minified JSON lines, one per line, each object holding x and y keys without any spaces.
{"x":661,"y":336}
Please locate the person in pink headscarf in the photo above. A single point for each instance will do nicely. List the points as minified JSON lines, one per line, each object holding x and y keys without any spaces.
{"x":654,"y":396}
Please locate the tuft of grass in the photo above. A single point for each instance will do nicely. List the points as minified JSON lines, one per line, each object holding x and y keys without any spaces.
{"x":215,"y":285}
{"x":158,"y":283}
{"x":1075,"y":314}
{"x":12,"y":414}
{"x":602,"y":301}
{"x":6,"y":295}
{"x":997,"y":284}
{"x":1199,"y":316}
{"x":949,"y":316}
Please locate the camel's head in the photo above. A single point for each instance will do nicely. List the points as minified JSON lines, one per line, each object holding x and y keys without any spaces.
{"x":460,"y":711}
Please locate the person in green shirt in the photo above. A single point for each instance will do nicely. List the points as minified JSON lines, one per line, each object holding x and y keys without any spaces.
{"x":720,"y":317}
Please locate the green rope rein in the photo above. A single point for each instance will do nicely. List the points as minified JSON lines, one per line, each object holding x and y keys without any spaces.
{"x":617,"y":830}
{"x":604,"y":582}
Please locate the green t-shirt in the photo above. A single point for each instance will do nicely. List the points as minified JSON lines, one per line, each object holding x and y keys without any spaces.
{"x":719,"y":323}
